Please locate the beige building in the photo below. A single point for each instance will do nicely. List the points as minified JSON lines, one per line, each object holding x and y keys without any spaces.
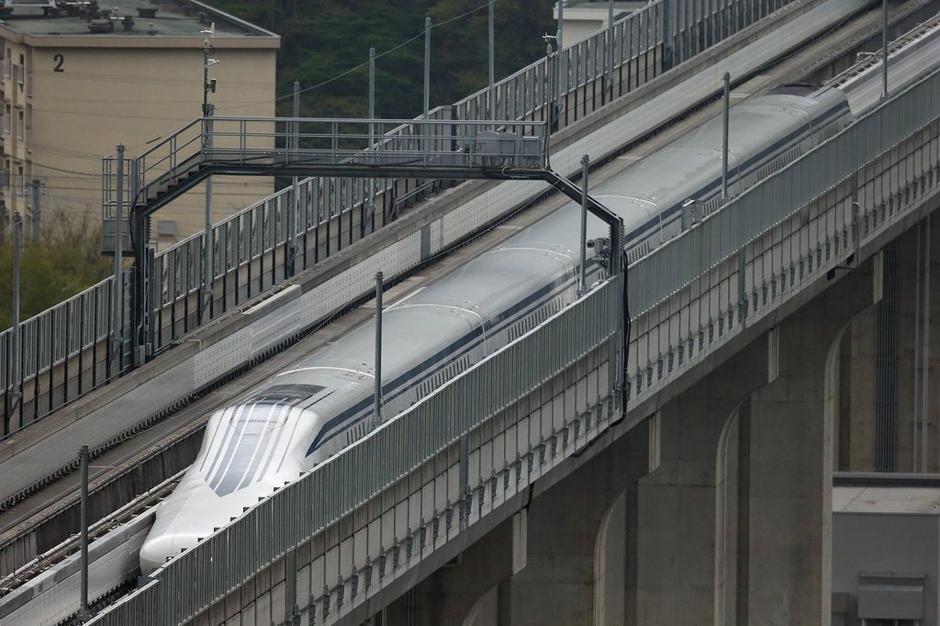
{"x":70,"y":95}
{"x":583,"y":18}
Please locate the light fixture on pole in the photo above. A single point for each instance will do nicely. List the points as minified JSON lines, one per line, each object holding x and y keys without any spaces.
{"x":207,"y":62}
{"x":206,"y":298}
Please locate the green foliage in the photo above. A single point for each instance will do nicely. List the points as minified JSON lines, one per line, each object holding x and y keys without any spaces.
{"x":322,"y":39}
{"x":63,"y":262}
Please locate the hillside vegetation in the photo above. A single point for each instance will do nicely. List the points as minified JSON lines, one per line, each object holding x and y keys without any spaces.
{"x":322,"y":39}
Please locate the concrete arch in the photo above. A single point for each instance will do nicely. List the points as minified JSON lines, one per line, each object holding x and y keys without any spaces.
{"x":726,"y":519}
{"x":610,"y":553}
{"x":485,"y":611}
{"x":733,"y":485}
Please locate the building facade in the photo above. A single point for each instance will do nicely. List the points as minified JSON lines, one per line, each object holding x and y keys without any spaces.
{"x":583,"y":18}
{"x":77,"y":81}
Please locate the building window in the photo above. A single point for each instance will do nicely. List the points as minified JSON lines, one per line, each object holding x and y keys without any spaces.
{"x":20,"y":125}
{"x":7,"y":114}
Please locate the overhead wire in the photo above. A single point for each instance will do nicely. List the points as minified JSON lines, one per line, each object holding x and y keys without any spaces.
{"x":378,"y":56}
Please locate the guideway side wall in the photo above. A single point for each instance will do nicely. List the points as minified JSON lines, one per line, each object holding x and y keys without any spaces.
{"x":713,"y":510}
{"x":733,"y":527}
{"x":890,"y":365}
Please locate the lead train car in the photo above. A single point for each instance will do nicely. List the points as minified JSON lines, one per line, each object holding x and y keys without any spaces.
{"x":302,"y":416}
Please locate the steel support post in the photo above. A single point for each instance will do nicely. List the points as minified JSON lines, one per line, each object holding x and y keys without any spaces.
{"x":292,"y":212}
{"x":610,"y":51}
{"x":884,"y":49}
{"x":582,"y":241}
{"x":83,"y":613}
{"x":742,"y":286}
{"x":36,"y":211}
{"x":117,"y":288}
{"x":378,"y":348}
{"x":206,"y":305}
{"x":553,"y":90}
{"x":17,"y":256}
{"x":139,"y":308}
{"x":490,"y":93}
{"x":427,"y":66}
{"x":726,"y":119}
{"x":560,"y":29}
{"x":372,"y":126}
{"x":371,"y":96}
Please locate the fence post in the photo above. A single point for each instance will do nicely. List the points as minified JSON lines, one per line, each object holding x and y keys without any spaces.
{"x":726,"y":123}
{"x":884,"y":49}
{"x":117,"y":289}
{"x":15,"y":336}
{"x":294,"y":209}
{"x":582,"y":242}
{"x":378,"y":348}
{"x":427,"y":65}
{"x":491,"y":95}
{"x":84,"y":614}
{"x":609,"y":77}
{"x":665,"y":13}
{"x":36,"y":210}
{"x":205,"y":308}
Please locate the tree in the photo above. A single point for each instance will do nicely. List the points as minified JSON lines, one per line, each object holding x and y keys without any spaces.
{"x":63,"y":262}
{"x":324,"y":39}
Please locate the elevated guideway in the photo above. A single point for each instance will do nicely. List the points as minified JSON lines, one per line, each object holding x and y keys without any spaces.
{"x":400,"y":503}
{"x":219,"y":350}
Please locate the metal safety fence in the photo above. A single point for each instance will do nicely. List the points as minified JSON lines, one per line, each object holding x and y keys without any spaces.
{"x":74,"y":334}
{"x":249,"y":249}
{"x":232,"y":555}
{"x":743,"y":260}
{"x":878,"y":169}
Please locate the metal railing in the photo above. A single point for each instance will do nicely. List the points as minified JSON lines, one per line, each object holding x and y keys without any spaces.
{"x":249,"y":248}
{"x":756,"y":251}
{"x":274,"y":145}
{"x":373,"y":463}
{"x":74,"y":334}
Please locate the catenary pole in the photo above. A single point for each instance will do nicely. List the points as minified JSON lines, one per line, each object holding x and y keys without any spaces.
{"x":491,"y":94}
{"x":84,"y":614}
{"x":117,"y":289}
{"x":17,"y":257}
{"x":884,"y":49}
{"x":610,"y":50}
{"x":427,"y":66}
{"x":295,"y":188}
{"x":207,"y":226}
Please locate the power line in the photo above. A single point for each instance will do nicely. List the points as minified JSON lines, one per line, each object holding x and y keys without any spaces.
{"x":366,"y":63}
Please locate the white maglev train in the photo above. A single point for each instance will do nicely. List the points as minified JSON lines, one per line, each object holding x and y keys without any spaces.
{"x":300,"y":417}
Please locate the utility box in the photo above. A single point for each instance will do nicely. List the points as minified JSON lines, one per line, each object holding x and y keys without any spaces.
{"x":494,"y":148}
{"x":885,"y":549}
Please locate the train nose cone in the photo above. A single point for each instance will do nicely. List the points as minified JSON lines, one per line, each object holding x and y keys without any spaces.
{"x":156,"y":550}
